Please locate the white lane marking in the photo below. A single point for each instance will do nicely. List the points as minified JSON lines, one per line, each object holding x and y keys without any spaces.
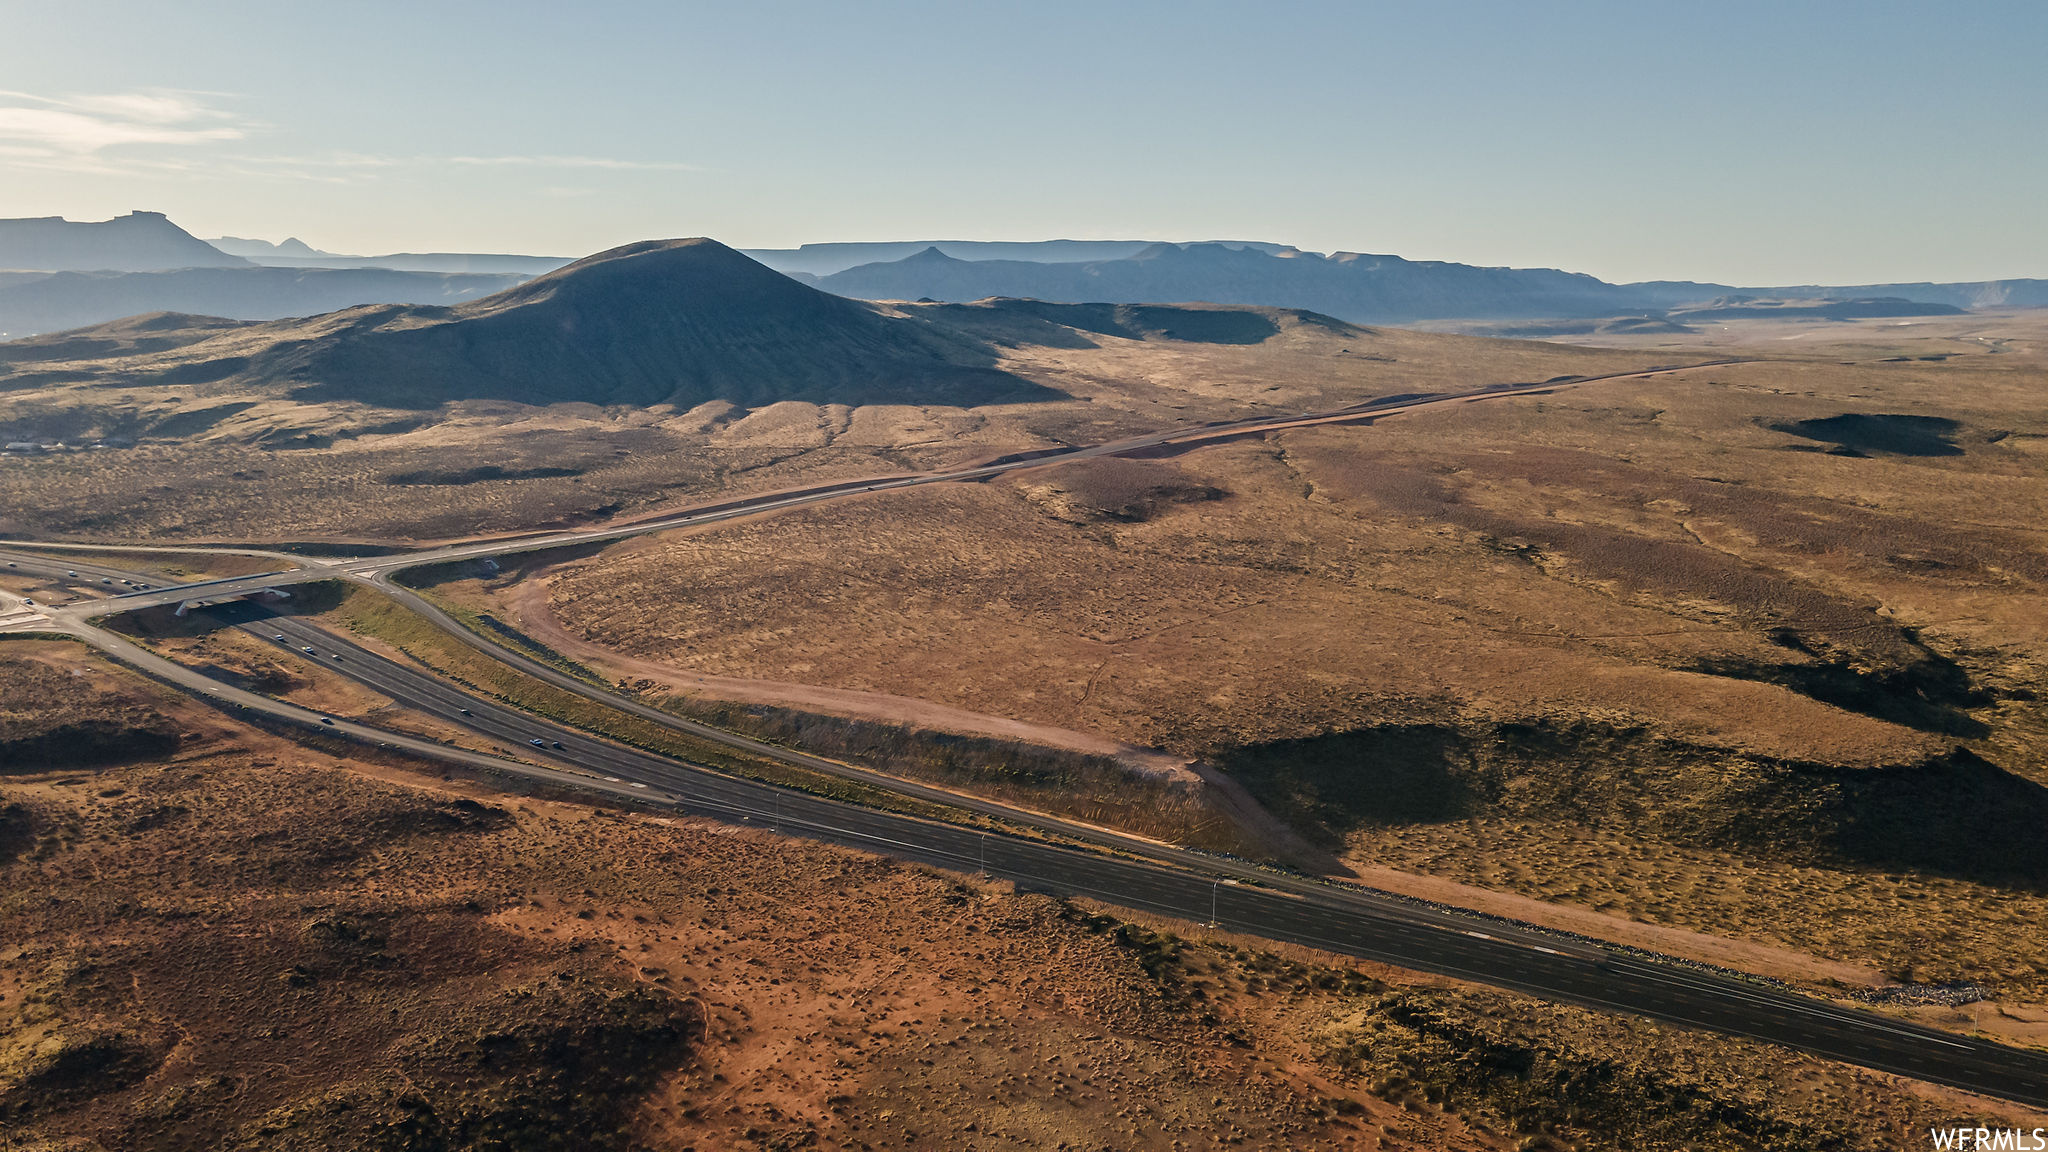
{"x":1813,"y":1008}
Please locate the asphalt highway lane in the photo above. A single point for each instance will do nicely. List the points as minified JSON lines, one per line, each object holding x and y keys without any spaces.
{"x":1273,"y":907}
{"x":1171,"y":882}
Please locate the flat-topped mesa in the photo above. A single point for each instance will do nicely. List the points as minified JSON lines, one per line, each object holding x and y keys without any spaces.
{"x":137,"y":242}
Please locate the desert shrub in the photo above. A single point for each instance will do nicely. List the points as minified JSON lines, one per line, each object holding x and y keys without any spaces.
{"x":1430,"y":1045}
{"x":48,"y":719}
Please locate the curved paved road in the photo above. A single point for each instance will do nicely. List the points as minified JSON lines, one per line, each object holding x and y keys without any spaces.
{"x":1170,"y":881}
{"x":1187,"y":885}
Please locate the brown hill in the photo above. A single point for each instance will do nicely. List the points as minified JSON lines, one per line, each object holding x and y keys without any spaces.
{"x":675,"y":321}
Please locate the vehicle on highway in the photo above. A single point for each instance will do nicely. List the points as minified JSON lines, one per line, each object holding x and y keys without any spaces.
{"x":309,"y":648}
{"x":558,"y":744}
{"x":537,"y":742}
{"x":279,"y":636}
{"x":71,"y":573}
{"x":337,"y":655}
{"x":327,"y":719}
{"x":12,"y":564}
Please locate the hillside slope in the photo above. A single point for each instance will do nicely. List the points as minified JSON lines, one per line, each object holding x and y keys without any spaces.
{"x":666,"y":321}
{"x":238,"y":944}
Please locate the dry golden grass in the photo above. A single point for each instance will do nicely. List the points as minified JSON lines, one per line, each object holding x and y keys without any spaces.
{"x":1261,"y":617}
{"x":1914,"y":927}
{"x":1771,"y":651}
{"x":251,"y":946}
{"x":220,"y":463}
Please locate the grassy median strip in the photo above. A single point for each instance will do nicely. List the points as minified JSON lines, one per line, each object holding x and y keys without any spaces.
{"x":368,"y":613}
{"x":505,"y":636}
{"x":1092,"y":789}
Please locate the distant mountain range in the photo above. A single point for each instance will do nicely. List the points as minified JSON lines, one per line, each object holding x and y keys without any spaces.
{"x":68,"y":274}
{"x":36,"y":302}
{"x":296,"y":253}
{"x":1366,"y":289}
{"x":824,"y":259}
{"x":662,"y":322}
{"x":137,"y":242}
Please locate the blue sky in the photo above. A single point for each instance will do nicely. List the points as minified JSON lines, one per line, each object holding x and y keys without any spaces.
{"x":1748,"y":143}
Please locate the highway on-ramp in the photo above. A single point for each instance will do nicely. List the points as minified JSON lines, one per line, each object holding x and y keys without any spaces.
{"x":1232,"y":895}
{"x":1137,"y":874}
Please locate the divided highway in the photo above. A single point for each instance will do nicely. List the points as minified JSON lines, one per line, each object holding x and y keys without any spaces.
{"x":1186,"y":885}
{"x":1162,"y":880}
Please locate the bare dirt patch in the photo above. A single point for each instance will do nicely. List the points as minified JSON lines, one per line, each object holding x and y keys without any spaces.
{"x":255,"y":947}
{"x":1800,"y":649}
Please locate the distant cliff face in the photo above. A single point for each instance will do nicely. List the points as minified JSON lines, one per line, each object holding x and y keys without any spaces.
{"x":137,"y":242}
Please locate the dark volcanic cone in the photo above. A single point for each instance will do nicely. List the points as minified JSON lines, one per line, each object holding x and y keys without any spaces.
{"x":663,"y":321}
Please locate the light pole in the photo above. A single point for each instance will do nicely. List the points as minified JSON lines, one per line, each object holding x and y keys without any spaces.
{"x":1215,"y":886}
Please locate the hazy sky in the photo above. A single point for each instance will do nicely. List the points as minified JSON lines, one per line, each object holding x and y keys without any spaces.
{"x":1751,"y":143}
